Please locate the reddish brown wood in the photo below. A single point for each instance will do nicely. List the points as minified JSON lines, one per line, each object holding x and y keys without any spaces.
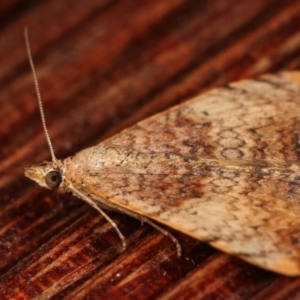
{"x":102,"y":66}
{"x":8,"y":8}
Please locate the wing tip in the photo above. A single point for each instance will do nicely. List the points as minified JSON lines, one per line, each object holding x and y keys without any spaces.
{"x":287,"y":266}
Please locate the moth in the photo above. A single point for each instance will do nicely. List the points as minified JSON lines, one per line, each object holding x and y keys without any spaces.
{"x":222,"y":167}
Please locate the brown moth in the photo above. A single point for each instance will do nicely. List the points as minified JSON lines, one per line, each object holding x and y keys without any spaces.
{"x":223,"y":168}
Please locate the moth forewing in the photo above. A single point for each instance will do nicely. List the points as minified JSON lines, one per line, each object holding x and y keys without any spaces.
{"x":222,"y":168}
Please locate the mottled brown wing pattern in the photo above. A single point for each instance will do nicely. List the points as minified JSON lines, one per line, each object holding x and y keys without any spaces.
{"x":222,"y":167}
{"x":251,"y":119}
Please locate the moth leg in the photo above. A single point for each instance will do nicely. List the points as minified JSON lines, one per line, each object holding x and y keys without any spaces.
{"x":108,"y":205}
{"x":142,"y":219}
{"x":165,"y":232}
{"x":94,"y":205}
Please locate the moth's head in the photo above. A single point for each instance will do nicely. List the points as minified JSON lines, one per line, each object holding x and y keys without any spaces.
{"x":46,"y":175}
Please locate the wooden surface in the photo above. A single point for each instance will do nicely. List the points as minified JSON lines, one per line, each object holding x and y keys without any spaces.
{"x":102,"y":66}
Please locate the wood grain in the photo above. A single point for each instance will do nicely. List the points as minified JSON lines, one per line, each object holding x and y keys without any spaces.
{"x":103,"y":66}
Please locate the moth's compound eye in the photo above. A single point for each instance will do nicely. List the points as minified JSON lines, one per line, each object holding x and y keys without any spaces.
{"x":53,"y":179}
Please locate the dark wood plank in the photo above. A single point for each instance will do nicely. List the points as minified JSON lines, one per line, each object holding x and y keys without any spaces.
{"x":103,"y":66}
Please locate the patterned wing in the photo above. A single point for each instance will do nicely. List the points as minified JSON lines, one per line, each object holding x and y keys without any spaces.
{"x":222,"y":168}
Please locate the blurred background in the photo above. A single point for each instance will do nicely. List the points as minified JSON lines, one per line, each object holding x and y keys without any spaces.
{"x":102,"y":66}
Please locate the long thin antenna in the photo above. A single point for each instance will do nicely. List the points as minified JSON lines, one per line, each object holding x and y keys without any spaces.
{"x":39,"y":98}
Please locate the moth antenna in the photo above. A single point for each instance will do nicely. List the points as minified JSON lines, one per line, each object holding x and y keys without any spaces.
{"x":39,"y":98}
